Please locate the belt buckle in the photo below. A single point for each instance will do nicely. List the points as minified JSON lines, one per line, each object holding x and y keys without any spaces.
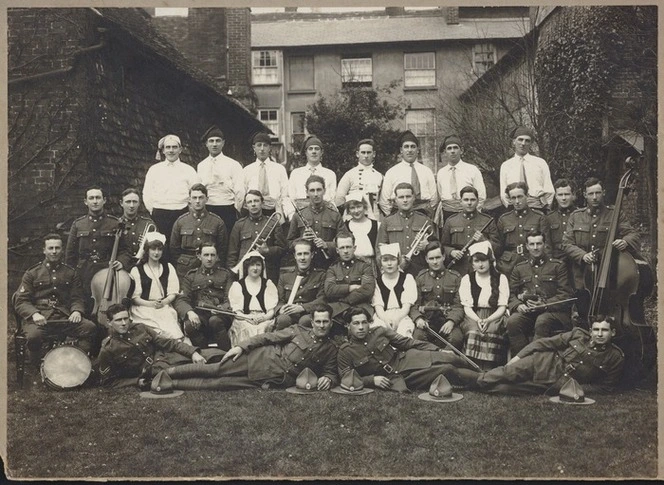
{"x":149,"y":360}
{"x":519,"y":249}
{"x":94,"y":258}
{"x":52,"y":302}
{"x":388,"y":368}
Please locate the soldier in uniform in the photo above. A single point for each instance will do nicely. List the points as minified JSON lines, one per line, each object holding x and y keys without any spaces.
{"x":403,"y":226}
{"x":561,"y":209}
{"x":514,"y":226}
{"x":132,"y":353}
{"x":463,"y":227}
{"x":206,"y":286}
{"x":196,"y":227}
{"x":134,"y":228}
{"x":246,"y":230}
{"x":587,"y":230}
{"x":268,"y":358}
{"x":380,"y":355}
{"x":296,"y":301}
{"x":546,"y":364}
{"x":349,"y":282}
{"x":541,"y":282}
{"x":323,"y":222}
{"x":438,"y":305}
{"x":90,"y":242}
{"x":51,"y":290}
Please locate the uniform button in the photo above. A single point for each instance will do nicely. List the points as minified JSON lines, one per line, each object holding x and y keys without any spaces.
{"x":94,"y":230}
{"x":94,"y":240}
{"x":536,"y":276}
{"x":536,"y":286}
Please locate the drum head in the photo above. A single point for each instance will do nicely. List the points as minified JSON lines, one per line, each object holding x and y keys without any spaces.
{"x":65,"y":367}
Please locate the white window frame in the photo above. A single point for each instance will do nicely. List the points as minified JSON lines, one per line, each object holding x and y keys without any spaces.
{"x":272,"y":124}
{"x":422,"y":122}
{"x":296,"y":146}
{"x":481,"y":53}
{"x":356,"y":71}
{"x":419,"y":69}
{"x":265,"y":67}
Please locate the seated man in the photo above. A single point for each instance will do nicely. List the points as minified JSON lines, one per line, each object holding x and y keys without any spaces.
{"x":133,"y":353}
{"x":380,"y":355}
{"x":438,"y":303}
{"x":206,"y":286}
{"x":267,"y":358}
{"x":300,"y":287}
{"x":537,"y":288}
{"x":544,"y":365}
{"x":50,"y":302}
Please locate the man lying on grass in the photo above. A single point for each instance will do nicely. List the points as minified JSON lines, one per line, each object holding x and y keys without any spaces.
{"x":133,"y":353}
{"x":546,"y":364}
{"x":388,"y":360}
{"x":273,"y":358}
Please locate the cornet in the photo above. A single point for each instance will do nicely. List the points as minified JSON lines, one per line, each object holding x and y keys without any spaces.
{"x":423,"y":234}
{"x":264,"y":234}
{"x":148,"y":228}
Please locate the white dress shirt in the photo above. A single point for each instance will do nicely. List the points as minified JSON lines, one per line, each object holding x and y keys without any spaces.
{"x":401,"y":172}
{"x":224,"y":179}
{"x":298,"y":190}
{"x":540,"y":186}
{"x":167,"y":185}
{"x":466,"y":174}
{"x":277,"y":181}
{"x":367,"y":180}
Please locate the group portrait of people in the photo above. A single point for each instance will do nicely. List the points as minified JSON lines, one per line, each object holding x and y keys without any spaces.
{"x":239,"y":277}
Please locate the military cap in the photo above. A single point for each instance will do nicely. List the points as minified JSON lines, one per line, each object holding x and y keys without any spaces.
{"x":571,"y":393}
{"x":440,"y":391}
{"x":351,"y":383}
{"x":161,"y":387}
{"x":305,"y":383}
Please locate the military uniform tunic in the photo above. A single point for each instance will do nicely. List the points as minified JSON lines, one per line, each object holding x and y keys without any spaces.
{"x":242,"y":236}
{"x":54,"y":291}
{"x":587,"y":230}
{"x":558,"y":223}
{"x":513,"y":229}
{"x":310,"y":292}
{"x":547,"y":363}
{"x":383,"y":352}
{"x":438,"y":289}
{"x":459,"y":229}
{"x":402,"y":227}
{"x":205,"y":287}
{"x":140,"y":352}
{"x":131,"y":236}
{"x":326,"y":223}
{"x":189,"y":232}
{"x":546,"y":278}
{"x":338,"y":279}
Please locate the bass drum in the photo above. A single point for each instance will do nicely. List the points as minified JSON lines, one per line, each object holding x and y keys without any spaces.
{"x":65,"y":367}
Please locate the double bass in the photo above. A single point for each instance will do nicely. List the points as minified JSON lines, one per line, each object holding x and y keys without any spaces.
{"x":109,"y":286}
{"x":617,"y":287}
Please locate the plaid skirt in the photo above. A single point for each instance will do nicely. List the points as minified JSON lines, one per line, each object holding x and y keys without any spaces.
{"x":488,"y":346}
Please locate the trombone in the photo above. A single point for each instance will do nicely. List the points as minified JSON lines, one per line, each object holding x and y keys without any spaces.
{"x":273,"y":221}
{"x":141,"y":240}
{"x":423,"y":234}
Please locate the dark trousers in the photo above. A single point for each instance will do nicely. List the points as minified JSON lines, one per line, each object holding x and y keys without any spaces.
{"x":521,"y":325}
{"x":213,"y":329}
{"x":227,"y":213}
{"x":84,"y":332}
{"x":229,"y":376}
{"x":165,"y":219}
{"x":422,"y":378}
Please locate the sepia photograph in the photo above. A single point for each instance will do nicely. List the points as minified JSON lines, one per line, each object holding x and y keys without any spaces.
{"x":332,"y":242}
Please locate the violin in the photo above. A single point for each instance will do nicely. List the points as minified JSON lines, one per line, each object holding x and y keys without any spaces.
{"x":617,"y":287}
{"x":109,"y":286}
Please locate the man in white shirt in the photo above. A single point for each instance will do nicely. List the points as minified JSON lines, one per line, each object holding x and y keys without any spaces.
{"x":223,"y":177}
{"x":410,"y":171}
{"x":527,"y":168}
{"x":166,"y":187}
{"x":267,"y":176}
{"x":363,"y":178}
{"x":297,"y":190}
{"x":454,"y":176}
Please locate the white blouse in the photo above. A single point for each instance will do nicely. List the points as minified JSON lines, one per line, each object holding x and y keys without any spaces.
{"x":485,"y":292}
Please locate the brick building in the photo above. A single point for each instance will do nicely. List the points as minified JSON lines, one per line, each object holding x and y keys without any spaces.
{"x":91,"y":91}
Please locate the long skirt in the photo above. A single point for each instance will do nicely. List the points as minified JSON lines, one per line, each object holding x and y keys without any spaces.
{"x":242,"y":329}
{"x":489,"y":346}
{"x":163,"y":320}
{"x":405,"y":327}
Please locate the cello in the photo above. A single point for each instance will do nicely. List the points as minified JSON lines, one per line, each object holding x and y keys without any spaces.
{"x":617,"y":287}
{"x":109,"y":286}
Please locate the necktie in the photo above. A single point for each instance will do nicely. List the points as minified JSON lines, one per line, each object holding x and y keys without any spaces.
{"x":453,"y":183}
{"x":415,"y":181}
{"x":262,"y":180}
{"x":523,"y":171}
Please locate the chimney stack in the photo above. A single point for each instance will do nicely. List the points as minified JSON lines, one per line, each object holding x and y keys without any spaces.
{"x":394,"y":11}
{"x":452,"y":15}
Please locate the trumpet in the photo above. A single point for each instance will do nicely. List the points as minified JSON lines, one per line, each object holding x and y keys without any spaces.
{"x":264,"y":234}
{"x":422,"y":235}
{"x":148,"y":228}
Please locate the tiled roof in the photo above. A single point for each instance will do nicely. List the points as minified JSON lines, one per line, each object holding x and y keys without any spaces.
{"x":293,"y":33}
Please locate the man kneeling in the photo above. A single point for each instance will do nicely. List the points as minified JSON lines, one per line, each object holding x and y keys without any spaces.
{"x":273,"y":358}
{"x":545,"y":364}
{"x":385,"y":358}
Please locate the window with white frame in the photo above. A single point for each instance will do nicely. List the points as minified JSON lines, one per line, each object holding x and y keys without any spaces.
{"x":484,"y":56}
{"x":421,"y":123}
{"x":270,"y":118}
{"x":419,"y":69}
{"x":298,"y":131}
{"x":264,"y":67}
{"x":356,"y":72}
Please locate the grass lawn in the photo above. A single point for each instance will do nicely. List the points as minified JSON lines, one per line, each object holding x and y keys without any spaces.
{"x":106,"y":433}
